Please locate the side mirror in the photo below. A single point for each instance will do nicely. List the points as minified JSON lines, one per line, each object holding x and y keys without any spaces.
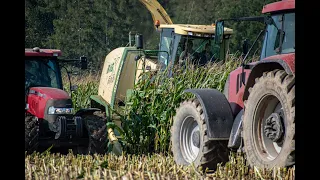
{"x":83,"y":62}
{"x":219,"y":30}
{"x":245,"y":47}
{"x":139,"y":41}
{"x":74,"y":88}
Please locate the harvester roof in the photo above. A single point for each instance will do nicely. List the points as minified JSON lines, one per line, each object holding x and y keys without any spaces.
{"x":42,"y":52}
{"x":183,"y":29}
{"x":279,"y":6}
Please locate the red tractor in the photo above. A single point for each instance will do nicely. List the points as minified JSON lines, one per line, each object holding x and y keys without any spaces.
{"x":49,"y":115}
{"x":256,"y":111}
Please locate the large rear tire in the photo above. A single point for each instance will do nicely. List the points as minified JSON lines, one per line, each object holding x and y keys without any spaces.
{"x":269,"y":121}
{"x":190,"y":142}
{"x":31,"y":132}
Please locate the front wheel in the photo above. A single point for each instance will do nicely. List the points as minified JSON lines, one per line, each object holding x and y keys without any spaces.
{"x":97,"y":131}
{"x":269,"y":121}
{"x":31,"y":131}
{"x":190,"y":142}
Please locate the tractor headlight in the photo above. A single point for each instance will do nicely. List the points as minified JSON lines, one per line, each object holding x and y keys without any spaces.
{"x":53,"y":110}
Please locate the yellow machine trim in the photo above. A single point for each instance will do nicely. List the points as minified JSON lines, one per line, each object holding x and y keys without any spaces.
{"x":157,"y":11}
{"x":183,"y":29}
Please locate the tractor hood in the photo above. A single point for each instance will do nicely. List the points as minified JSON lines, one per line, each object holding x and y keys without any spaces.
{"x":40,"y":99}
{"x":49,"y":93}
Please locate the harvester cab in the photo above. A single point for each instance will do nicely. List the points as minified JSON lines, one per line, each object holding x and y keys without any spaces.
{"x":49,"y":113}
{"x":181,"y":41}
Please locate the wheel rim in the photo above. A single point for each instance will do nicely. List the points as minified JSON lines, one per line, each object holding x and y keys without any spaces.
{"x":269,"y":129}
{"x":190,"y":139}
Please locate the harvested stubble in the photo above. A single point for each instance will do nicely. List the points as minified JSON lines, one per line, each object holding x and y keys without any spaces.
{"x":156,"y":166}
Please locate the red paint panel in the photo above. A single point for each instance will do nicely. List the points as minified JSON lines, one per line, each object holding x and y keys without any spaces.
{"x":37,"y":102}
{"x":234,"y":95}
{"x":288,"y":58}
{"x":52,"y":93}
{"x":37,"y":105}
{"x":43,"y":52}
{"x":279,"y":6}
{"x":236,"y":92}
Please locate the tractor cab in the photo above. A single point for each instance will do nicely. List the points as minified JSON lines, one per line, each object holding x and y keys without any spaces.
{"x":195,"y":42}
{"x":41,"y":68}
{"x":279,"y":34}
{"x":280,"y":29}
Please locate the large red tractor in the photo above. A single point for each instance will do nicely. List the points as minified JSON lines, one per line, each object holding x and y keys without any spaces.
{"x":49,"y":115}
{"x":256,"y":111}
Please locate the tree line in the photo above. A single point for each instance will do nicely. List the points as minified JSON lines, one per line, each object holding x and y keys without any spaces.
{"x":95,"y":27}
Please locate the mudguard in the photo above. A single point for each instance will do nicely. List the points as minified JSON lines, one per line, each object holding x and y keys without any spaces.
{"x":235,"y":136}
{"x":217,"y":112}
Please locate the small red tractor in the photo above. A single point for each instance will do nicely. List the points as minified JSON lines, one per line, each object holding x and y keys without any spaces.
{"x":256,"y":111}
{"x":49,"y":115}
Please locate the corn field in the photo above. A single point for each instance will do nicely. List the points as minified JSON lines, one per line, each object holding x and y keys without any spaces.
{"x":146,"y":119}
{"x":148,"y":115}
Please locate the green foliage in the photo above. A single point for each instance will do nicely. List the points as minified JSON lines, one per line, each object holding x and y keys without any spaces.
{"x":87,"y":86}
{"x":38,"y":23}
{"x":81,"y":97}
{"x":150,"y":109}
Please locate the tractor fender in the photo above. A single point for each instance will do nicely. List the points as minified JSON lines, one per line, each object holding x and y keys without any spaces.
{"x":83,"y":111}
{"x":263,"y":66}
{"x":235,"y":136}
{"x":217,"y":112}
